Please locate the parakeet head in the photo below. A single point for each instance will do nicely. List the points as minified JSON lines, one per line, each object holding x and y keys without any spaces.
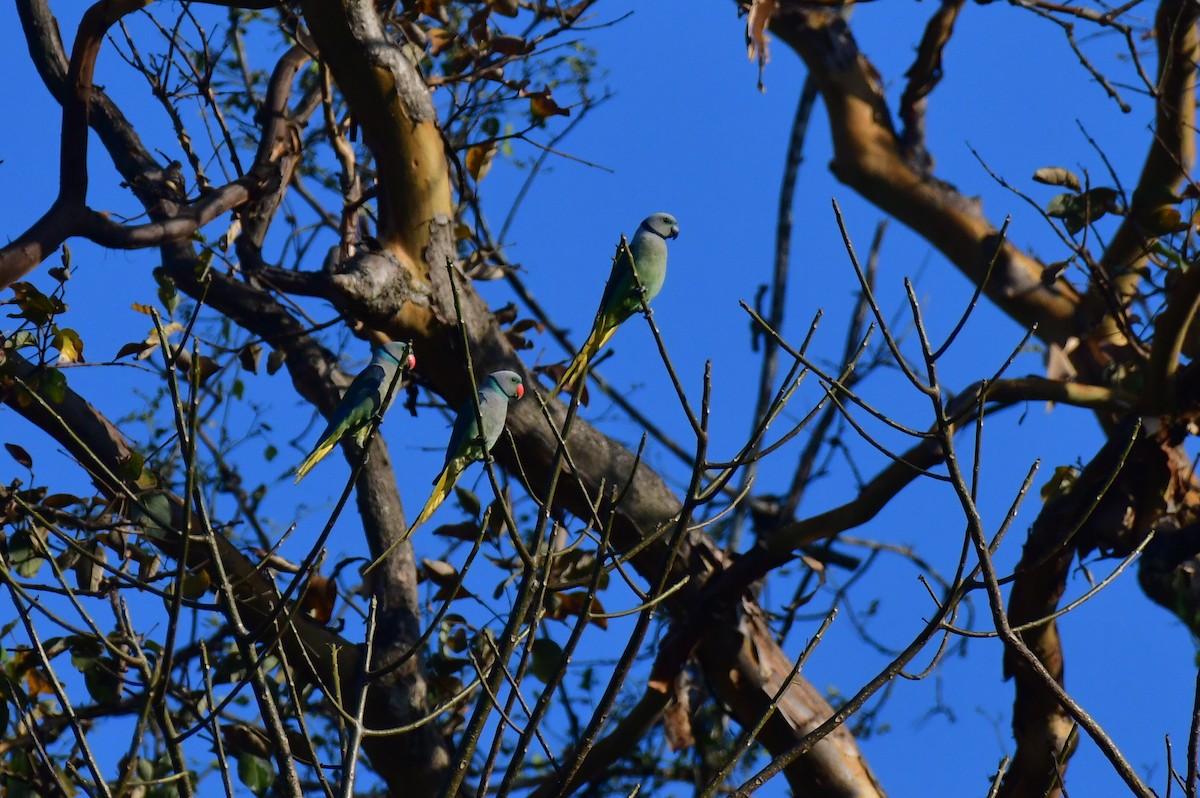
{"x":509,"y":383}
{"x":662,"y":224}
{"x":399,"y":351}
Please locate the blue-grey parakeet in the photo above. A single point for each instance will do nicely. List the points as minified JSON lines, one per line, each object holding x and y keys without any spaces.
{"x":362,"y":400}
{"x":645,"y":255}
{"x":500,"y":388}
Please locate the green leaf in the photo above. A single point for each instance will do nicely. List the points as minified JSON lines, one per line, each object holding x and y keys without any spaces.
{"x":102,"y":682}
{"x":20,"y":340}
{"x":84,"y":652}
{"x":167,"y":294}
{"x":25,"y":553}
{"x":1102,"y":197}
{"x":547,"y":659}
{"x":53,"y":385}
{"x":255,"y":773}
{"x":269,"y":453}
{"x":468,"y":501}
{"x":35,"y":306}
{"x":1060,"y":483}
{"x":130,"y":468}
{"x":1060,"y":205}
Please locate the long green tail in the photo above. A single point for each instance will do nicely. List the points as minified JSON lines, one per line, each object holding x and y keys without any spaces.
{"x":595,"y":341}
{"x":441,"y":489}
{"x":315,"y":456}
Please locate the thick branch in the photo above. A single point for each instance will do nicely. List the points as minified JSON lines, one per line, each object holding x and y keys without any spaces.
{"x":1172,"y":148}
{"x":412,"y":300}
{"x":868,"y":157}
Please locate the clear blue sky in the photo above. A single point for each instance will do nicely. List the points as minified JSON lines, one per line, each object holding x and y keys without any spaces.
{"x":689,"y":133}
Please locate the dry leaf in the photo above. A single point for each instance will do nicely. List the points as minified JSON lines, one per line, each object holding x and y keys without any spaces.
{"x":36,"y":682}
{"x":19,"y":454}
{"x":440,"y":39}
{"x":756,"y":34}
{"x":542,"y":105}
{"x":479,"y":159}
{"x":440,"y":572}
{"x":320,"y":598}
{"x":510,"y":45}
{"x":677,"y":720}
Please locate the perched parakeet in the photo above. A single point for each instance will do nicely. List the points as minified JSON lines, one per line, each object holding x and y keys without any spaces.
{"x":645,"y":255}
{"x":500,"y":388}
{"x":362,"y":399}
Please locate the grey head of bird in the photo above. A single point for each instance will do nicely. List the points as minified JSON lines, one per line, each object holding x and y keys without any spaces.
{"x":398,"y":351}
{"x":508,"y":383}
{"x":662,"y":225}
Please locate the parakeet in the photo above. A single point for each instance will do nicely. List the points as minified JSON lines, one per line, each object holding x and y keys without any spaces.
{"x":500,"y":388}
{"x":362,"y":399}
{"x":646,"y":255}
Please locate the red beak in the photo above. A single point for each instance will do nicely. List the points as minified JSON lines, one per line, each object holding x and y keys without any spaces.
{"x":520,"y":391}
{"x":412,"y":361}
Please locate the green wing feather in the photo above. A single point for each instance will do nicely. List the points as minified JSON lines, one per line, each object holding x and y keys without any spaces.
{"x":619,"y":301}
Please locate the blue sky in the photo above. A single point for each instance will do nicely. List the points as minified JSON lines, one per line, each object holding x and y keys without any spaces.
{"x":689,"y":133}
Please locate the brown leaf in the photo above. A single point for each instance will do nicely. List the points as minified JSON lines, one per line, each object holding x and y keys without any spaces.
{"x":510,"y":45}
{"x":756,"y":34}
{"x":1050,"y":273}
{"x":19,"y":454}
{"x":37,"y":682}
{"x":563,"y":606}
{"x":275,"y":360}
{"x":505,"y":8}
{"x":1058,"y":360}
{"x":677,"y":726}
{"x":518,"y":341}
{"x":528,"y":324}
{"x":506,"y":314}
{"x":467,"y":531}
{"x":89,"y":572}
{"x":440,"y":572}
{"x":249,"y":357}
{"x":479,"y":159}
{"x":320,"y":598}
{"x":242,"y":738}
{"x":132,"y":348}
{"x":1058,"y":176}
{"x":205,"y":368}
{"x":477,"y":24}
{"x":573,"y":12}
{"x":451,"y":593}
{"x":542,"y":105}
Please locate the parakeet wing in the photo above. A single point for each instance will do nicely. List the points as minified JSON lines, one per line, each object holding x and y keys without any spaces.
{"x":360,"y":401}
{"x":620,"y":299}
